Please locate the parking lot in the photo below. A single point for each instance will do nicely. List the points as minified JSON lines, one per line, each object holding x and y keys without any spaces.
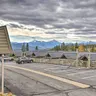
{"x":85,"y":75}
{"x":79,"y":74}
{"x":35,"y":84}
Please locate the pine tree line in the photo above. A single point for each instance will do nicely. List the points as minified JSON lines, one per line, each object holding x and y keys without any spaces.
{"x":25,"y":47}
{"x":73,"y":47}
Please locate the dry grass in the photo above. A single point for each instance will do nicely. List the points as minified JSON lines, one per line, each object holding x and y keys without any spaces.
{"x":7,"y":94}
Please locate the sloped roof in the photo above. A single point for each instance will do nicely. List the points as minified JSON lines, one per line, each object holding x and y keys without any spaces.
{"x":85,"y":58}
{"x":92,"y":55}
{"x":29,"y":53}
{"x":70,"y":55}
{"x":18,"y":53}
{"x":57,"y":54}
{"x":5,"y":46}
{"x":39,"y":53}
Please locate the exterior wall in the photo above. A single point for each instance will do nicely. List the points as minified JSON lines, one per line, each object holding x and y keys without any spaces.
{"x":93,"y":64}
{"x":64,"y":61}
{"x":54,"y":61}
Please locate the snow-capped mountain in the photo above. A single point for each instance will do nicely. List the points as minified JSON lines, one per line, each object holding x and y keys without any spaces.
{"x":33,"y":44}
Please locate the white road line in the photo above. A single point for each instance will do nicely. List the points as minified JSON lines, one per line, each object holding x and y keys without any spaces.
{"x":81,"y":72}
{"x":55,"y":71}
{"x":59,"y":71}
{"x":81,"y":85}
{"x":89,"y":77}
{"x":56,"y":68}
{"x":52,"y":68}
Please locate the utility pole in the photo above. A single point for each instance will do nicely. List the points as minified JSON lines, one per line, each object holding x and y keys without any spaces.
{"x":77,"y":55}
{"x":89,"y":61}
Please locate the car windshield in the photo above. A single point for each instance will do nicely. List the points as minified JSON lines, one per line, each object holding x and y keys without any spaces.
{"x":23,"y":58}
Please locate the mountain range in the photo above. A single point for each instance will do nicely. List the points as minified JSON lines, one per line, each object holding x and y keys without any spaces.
{"x":42,"y":44}
{"x":33,"y":44}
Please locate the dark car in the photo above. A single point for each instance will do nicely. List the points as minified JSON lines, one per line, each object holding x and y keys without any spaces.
{"x":22,"y":60}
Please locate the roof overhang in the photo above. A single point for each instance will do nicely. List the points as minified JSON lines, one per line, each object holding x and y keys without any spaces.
{"x":5,"y":45}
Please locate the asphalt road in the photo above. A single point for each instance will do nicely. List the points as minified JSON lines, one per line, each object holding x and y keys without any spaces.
{"x":42,"y":80}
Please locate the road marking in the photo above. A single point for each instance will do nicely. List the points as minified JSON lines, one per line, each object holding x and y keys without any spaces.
{"x":81,"y":85}
{"x":89,"y":77}
{"x":55,"y":71}
{"x":81,"y":72}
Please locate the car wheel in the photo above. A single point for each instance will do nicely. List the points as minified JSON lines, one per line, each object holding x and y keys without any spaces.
{"x":22,"y":62}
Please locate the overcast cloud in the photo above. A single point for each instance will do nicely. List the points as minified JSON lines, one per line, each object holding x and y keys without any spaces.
{"x":63,"y":20}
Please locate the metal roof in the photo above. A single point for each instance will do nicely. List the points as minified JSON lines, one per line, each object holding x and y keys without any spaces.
{"x":92,"y":55}
{"x":56,"y":54}
{"x":5,"y":46}
{"x":40,"y":53}
{"x":70,"y":55}
{"x":18,"y":53}
{"x":29,"y":53}
{"x":61,"y":54}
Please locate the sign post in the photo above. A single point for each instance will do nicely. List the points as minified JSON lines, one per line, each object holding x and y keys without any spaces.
{"x":5,"y":48}
{"x":2,"y":74}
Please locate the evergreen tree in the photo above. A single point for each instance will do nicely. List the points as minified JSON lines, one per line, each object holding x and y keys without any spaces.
{"x":57,"y":48}
{"x":62,"y":46}
{"x":12,"y":55}
{"x":33,"y":54}
{"x":36,"y":48}
{"x":76,"y":46}
{"x":72,"y":47}
{"x":27,"y":47}
{"x":23,"y":47}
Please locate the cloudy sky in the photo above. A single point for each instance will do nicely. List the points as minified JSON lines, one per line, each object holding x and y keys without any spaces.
{"x":45,"y":20}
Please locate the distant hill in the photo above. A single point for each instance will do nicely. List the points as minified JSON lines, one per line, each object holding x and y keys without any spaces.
{"x":43,"y":45}
{"x":86,"y":43}
{"x":33,"y":44}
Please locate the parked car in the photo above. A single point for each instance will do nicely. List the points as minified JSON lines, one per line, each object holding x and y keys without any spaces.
{"x":22,"y":60}
{"x":6,"y":59}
